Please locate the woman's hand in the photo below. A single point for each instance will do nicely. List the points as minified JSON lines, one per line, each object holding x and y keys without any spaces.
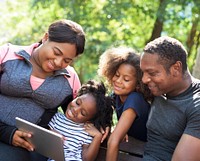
{"x":19,"y":139}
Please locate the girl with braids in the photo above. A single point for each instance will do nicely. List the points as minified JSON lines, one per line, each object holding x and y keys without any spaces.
{"x":81,"y":124}
{"x":121,"y":68}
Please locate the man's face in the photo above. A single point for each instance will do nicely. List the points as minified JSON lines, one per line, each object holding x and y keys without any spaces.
{"x":155,"y":76}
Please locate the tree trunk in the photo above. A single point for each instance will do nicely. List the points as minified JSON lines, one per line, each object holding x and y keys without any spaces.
{"x":158,"y":25}
{"x":196,"y":68}
{"x":190,"y":39}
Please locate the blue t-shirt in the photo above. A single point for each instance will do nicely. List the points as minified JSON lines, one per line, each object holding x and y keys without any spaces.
{"x":137,"y":102}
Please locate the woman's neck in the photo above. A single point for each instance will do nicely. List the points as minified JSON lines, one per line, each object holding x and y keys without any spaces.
{"x":37,"y":65}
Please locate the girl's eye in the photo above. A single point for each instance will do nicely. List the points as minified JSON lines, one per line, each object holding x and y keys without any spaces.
{"x":83,"y":113}
{"x":77,"y":102}
{"x":67,"y":61}
{"x":57,"y":54}
{"x":126,"y":80}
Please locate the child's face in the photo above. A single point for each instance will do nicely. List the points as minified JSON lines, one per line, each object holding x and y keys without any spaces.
{"x":81,"y":109}
{"x":124,"y":81}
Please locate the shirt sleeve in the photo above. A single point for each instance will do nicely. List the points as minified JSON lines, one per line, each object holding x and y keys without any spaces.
{"x":88,"y":140}
{"x":193,"y":121}
{"x":3,"y":51}
{"x":74,"y":80}
{"x":135,"y":101}
{"x":6,"y":133}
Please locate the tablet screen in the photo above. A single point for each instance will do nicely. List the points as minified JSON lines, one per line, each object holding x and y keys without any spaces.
{"x":46,"y":142}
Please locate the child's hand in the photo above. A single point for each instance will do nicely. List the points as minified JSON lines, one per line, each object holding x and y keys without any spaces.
{"x":105,"y":133}
{"x":92,"y":130}
{"x":125,"y":138}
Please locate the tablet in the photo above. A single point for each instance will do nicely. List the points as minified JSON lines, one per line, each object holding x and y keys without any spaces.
{"x":46,"y":142}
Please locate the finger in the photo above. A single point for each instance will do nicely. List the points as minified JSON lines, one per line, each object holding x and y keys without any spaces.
{"x":102,"y":130}
{"x":64,"y":138}
{"x":27,"y":145}
{"x":126,"y":138}
{"x":19,"y":139}
{"x":106,"y":132}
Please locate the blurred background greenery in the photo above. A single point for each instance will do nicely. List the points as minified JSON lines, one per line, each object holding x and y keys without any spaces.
{"x":107,"y":23}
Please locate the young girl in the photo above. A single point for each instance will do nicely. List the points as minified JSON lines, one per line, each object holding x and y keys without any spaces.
{"x":81,"y":123}
{"x":121,"y":68}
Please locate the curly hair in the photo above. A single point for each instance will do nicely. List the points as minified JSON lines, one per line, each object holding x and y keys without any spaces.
{"x":169,"y":51}
{"x":104,"y":103}
{"x":110,"y":61}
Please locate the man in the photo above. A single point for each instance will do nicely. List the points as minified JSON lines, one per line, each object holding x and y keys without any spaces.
{"x":174,"y":121}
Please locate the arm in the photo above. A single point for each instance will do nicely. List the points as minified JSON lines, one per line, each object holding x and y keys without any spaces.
{"x":12,"y":136}
{"x":6,"y":133}
{"x":90,"y":151}
{"x":187,"y":149}
{"x":122,"y":127}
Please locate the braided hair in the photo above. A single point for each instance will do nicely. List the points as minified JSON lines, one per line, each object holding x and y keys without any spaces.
{"x":104,"y":103}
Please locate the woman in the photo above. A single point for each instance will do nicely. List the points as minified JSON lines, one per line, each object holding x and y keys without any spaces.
{"x":34,"y":83}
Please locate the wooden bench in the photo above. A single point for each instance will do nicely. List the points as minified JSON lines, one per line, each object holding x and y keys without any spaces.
{"x":128,"y":151}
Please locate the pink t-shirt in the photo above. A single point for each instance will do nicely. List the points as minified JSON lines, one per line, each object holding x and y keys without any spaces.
{"x":73,"y":81}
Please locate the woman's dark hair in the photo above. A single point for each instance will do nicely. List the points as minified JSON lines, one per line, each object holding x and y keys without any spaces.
{"x":67,"y":31}
{"x":104,"y":103}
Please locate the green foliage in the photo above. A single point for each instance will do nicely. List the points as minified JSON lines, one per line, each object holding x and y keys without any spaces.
{"x":106,"y":23}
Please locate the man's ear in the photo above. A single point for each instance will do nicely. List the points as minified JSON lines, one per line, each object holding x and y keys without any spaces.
{"x":176,"y":69}
{"x":45,"y":37}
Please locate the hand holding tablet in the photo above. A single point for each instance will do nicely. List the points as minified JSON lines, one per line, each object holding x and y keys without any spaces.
{"x":46,"y":142}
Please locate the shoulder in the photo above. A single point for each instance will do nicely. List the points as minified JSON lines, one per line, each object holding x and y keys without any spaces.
{"x":11,"y":48}
{"x":136,"y":96}
{"x":136,"y":100}
{"x":71,"y":70}
{"x":8,"y":51}
{"x":73,"y":80}
{"x":196,"y":84}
